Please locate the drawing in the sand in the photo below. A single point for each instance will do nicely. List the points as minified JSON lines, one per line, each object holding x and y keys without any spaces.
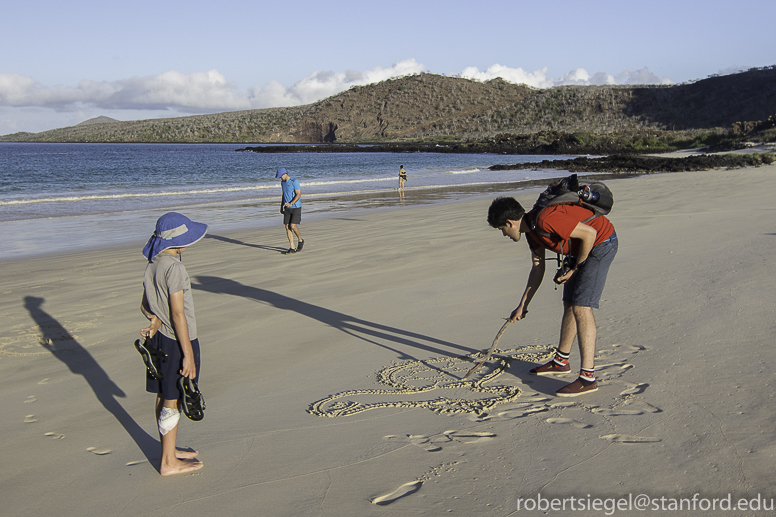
{"x":416,"y":384}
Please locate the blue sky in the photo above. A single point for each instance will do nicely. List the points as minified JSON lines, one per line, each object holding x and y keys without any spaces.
{"x":64,"y":62}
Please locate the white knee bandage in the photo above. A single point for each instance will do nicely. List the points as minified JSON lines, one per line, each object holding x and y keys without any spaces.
{"x":168,"y":419}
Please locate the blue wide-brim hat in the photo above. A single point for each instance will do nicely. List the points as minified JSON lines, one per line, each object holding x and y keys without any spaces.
{"x":173,"y":230}
{"x":280,"y":173}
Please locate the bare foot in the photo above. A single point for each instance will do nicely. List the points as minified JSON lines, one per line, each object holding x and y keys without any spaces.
{"x":182,"y":454}
{"x":180,"y":467}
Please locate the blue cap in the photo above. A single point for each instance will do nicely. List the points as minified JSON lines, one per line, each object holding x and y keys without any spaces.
{"x":281,"y":171}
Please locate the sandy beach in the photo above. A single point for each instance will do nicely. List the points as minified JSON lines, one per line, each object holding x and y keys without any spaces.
{"x":333,"y":377}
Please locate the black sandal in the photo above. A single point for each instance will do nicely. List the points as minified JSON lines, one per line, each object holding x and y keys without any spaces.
{"x":192,"y":401}
{"x":152,"y":358}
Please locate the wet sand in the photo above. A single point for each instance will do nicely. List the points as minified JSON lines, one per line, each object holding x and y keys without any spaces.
{"x":333,"y":377}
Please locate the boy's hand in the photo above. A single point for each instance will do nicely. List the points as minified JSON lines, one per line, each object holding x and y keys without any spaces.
{"x":149,"y":331}
{"x":189,"y":368}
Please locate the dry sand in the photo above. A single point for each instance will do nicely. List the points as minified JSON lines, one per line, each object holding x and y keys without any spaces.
{"x":332,"y":377}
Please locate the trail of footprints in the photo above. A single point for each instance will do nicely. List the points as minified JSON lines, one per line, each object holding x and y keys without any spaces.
{"x":610,"y":369}
{"x":31,"y":419}
{"x":437,"y":442}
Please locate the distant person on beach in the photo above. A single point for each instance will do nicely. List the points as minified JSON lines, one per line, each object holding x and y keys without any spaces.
{"x":594,"y":246}
{"x":168,"y":304}
{"x":291,"y":208}
{"x":402,"y":178}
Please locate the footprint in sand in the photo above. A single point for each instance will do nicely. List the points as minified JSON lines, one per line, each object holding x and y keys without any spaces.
{"x":568,"y":421}
{"x":627,"y":438}
{"x":30,"y":399}
{"x":29,"y":419}
{"x":404,"y":490}
{"x":44,"y":381}
{"x":131,"y":463}
{"x":99,"y":452}
{"x":522,"y":412}
{"x":469,"y":437}
{"x":617,"y":412}
{"x":637,"y":407}
{"x":635,"y":389}
{"x":434,"y":443}
{"x":421,"y":441}
{"x":612,"y":370}
{"x":55,"y":436}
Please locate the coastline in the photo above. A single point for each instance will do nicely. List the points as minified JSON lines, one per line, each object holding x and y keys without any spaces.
{"x":397,"y":295}
{"x":31,"y":237}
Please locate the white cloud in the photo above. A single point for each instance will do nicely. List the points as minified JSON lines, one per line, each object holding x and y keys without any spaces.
{"x":578,"y":76}
{"x":194,"y":92}
{"x":643,"y":76}
{"x":320,"y":85}
{"x":537,"y":79}
{"x":188,"y":93}
{"x":733,"y":70}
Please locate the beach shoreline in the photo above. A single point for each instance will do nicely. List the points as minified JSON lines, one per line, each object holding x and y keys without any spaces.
{"x":333,"y":376}
{"x":74,"y":233}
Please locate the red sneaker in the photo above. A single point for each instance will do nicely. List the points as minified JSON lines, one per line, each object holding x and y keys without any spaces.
{"x":577,"y":388}
{"x":551,"y":368}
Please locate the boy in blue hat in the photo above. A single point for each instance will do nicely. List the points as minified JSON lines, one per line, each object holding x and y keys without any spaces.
{"x":291,"y":208}
{"x":168,"y":304}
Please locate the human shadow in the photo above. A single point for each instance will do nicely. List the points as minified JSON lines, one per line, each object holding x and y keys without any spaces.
{"x":242,"y":243}
{"x":365,"y":330}
{"x":62,"y":345}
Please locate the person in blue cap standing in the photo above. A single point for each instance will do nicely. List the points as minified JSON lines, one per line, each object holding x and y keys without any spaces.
{"x":168,"y":305}
{"x":291,"y":208}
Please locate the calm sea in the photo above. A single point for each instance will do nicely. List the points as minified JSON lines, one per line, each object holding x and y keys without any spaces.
{"x":71,"y":196}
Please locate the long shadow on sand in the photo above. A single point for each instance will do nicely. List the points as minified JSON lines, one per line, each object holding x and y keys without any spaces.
{"x":57,"y":340}
{"x":242,"y":243}
{"x":358,"y":328}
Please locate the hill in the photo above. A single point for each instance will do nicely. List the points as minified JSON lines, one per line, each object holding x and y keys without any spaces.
{"x":97,"y":120}
{"x":428,"y":107}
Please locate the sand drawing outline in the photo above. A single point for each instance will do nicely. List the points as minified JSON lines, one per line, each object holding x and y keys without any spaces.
{"x":409,"y":379}
{"x":445,"y":368}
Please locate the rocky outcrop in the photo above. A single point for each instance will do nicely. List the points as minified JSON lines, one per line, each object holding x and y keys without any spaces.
{"x":647,"y":164}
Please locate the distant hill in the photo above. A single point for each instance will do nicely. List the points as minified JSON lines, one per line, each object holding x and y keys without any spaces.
{"x":428,"y":107}
{"x":97,"y":120}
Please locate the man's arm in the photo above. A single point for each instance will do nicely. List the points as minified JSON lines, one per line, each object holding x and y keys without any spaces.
{"x":181,"y":327}
{"x":535,"y":278}
{"x":297,"y":196}
{"x":586,"y":236}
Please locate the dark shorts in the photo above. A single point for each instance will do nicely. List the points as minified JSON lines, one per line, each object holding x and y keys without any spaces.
{"x":170,"y":366}
{"x":292,"y":215}
{"x":586,"y":286}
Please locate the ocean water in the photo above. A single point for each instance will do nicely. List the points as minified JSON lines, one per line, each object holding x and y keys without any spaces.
{"x":70,"y":196}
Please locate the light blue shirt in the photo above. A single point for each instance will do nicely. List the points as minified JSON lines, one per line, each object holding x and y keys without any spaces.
{"x":289,"y":188}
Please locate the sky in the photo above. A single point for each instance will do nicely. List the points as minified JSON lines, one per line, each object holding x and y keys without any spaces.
{"x":62,"y":63}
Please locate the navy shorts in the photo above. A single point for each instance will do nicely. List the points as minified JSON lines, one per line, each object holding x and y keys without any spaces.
{"x":586,"y":286}
{"x":292,"y":215}
{"x":170,"y":366}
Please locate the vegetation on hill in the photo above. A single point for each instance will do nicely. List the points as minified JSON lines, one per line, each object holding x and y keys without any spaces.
{"x":428,"y":108}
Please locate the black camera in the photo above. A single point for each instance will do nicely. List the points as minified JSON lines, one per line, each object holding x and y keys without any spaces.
{"x":569,"y":263}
